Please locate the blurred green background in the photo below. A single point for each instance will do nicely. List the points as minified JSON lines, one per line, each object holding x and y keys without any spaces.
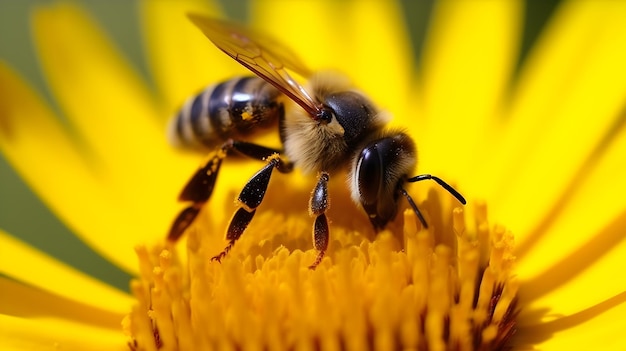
{"x":25,"y":216}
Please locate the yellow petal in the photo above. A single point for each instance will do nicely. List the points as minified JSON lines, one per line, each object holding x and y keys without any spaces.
{"x":363,"y":39}
{"x":20,"y":300}
{"x":96,"y":88}
{"x":573,"y":89}
{"x":24,"y":121}
{"x":33,"y":267}
{"x":599,"y":326}
{"x":102,"y":95}
{"x":584,"y":277}
{"x":33,"y":140}
{"x":182,"y":59}
{"x":56,"y":334}
{"x":583,"y":244}
{"x":112,"y":111}
{"x":469,"y":57}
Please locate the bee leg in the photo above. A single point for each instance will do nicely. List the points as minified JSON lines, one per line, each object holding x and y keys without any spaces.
{"x":249,"y":199}
{"x":238,"y":224}
{"x":198,"y":191}
{"x":318,"y":204}
{"x":183,"y":221}
{"x":261,"y":153}
{"x":200,"y":187}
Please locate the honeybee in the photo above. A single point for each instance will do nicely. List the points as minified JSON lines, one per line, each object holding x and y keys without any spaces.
{"x":325,"y":128}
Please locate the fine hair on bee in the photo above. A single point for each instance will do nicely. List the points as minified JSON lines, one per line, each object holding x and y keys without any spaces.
{"x":325,"y":127}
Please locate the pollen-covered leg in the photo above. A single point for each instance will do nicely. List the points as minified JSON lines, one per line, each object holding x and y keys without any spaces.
{"x":200,"y":187}
{"x":198,"y":191}
{"x":317,"y":207}
{"x":249,"y":199}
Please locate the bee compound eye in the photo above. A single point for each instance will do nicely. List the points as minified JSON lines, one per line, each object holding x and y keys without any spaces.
{"x":369,"y":174}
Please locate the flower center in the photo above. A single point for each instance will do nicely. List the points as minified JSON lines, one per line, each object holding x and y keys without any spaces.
{"x":449,"y":287}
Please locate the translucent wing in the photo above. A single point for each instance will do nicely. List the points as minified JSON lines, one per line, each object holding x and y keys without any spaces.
{"x":262,"y":55}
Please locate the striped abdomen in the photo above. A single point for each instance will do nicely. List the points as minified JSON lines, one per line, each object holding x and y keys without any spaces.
{"x":231,"y":109}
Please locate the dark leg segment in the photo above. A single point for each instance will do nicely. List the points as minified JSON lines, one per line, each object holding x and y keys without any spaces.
{"x":317,"y":207}
{"x":183,"y":221}
{"x":200,"y":187}
{"x":249,"y":199}
{"x":198,"y":191}
{"x":252,"y":193}
{"x":261,"y":153}
{"x":238,"y":224}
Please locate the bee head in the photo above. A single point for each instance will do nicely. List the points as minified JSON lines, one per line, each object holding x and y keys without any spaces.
{"x":380,"y":168}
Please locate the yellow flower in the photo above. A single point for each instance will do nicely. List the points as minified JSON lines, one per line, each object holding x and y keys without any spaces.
{"x":543,"y":146}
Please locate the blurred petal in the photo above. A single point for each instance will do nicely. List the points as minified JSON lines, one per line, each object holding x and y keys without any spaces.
{"x":56,"y":334}
{"x":573,"y":91}
{"x":601,"y":324}
{"x":469,"y":58}
{"x":33,"y":141}
{"x":75,"y":53}
{"x":561,"y":266}
{"x":121,"y":128}
{"x":583,"y":276}
{"x":341,"y":36}
{"x":32,"y":137}
{"x":46,"y":273}
{"x":127,"y":140}
{"x":26,"y":301}
{"x":182,"y":59}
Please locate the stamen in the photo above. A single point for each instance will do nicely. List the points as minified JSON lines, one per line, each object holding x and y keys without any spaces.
{"x":408,"y":288}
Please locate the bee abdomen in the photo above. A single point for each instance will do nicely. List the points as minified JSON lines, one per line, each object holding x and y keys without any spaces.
{"x":231,"y":109}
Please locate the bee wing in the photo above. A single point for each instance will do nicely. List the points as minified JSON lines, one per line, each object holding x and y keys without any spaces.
{"x":262,"y":55}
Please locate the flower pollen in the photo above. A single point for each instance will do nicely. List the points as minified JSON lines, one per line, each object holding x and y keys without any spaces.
{"x":449,"y":287}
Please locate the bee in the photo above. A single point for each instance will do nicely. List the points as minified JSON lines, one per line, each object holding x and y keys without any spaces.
{"x":326,"y":128}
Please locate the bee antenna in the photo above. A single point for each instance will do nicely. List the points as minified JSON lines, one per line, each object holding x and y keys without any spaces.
{"x":414,"y":206}
{"x":439,"y":181}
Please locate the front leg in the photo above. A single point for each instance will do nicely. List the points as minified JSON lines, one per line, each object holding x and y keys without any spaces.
{"x":318,"y":204}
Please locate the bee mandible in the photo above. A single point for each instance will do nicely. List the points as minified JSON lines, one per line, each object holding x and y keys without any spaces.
{"x":325,"y":128}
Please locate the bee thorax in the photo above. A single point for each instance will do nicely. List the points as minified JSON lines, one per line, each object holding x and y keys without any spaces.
{"x":315,"y":145}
